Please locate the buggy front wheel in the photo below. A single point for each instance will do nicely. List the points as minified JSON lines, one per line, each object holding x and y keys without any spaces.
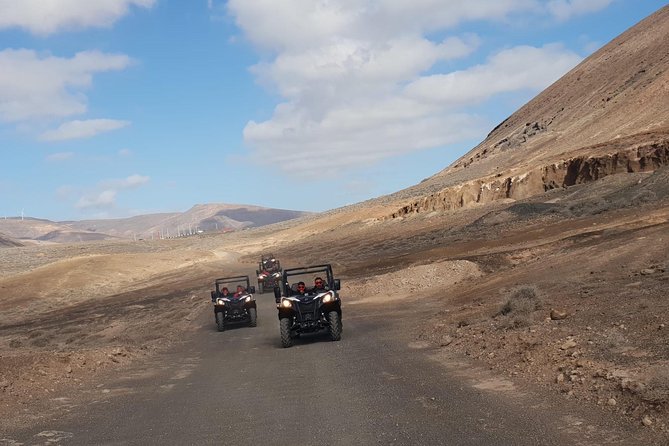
{"x":220,"y":321}
{"x":335,"y":325}
{"x":284,"y":327}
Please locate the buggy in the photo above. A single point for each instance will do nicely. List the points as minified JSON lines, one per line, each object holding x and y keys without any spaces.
{"x":230,"y":307}
{"x":312,"y":309}
{"x":268,"y":273}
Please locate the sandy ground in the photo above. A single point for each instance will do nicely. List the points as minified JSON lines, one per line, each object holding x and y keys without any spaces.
{"x":567,"y":291}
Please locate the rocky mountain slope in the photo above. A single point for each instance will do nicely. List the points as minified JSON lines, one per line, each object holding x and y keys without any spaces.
{"x":606,"y":116}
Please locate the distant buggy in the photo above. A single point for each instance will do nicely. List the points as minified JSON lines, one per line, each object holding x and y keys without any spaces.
{"x":310,"y":309}
{"x":233,"y":302}
{"x":268,"y":273}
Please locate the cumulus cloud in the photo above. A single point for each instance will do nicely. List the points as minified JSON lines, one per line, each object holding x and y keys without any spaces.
{"x":564,"y":10}
{"x":60,"y":156}
{"x":515,"y":69}
{"x":358,"y":79}
{"x":82,"y":129}
{"x":101,"y":200}
{"x":45,"y":17}
{"x":131,"y":182}
{"x":34,"y":86}
{"x":107,"y":191}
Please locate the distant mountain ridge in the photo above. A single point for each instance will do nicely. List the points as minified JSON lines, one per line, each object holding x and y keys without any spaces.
{"x":201,"y":218}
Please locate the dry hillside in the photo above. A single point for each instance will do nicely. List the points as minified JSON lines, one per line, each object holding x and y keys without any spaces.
{"x":608,"y":115}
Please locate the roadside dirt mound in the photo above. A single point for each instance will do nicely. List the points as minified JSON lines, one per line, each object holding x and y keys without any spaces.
{"x":410,"y":282}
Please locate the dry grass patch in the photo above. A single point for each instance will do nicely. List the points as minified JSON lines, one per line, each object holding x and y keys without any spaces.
{"x":518,"y":311}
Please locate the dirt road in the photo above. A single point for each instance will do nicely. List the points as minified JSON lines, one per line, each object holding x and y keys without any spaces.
{"x":376,"y":386}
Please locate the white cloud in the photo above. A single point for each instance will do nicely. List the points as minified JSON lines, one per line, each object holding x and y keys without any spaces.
{"x":45,"y":17}
{"x":515,"y":69}
{"x":299,"y":24}
{"x":101,"y":200}
{"x":564,"y":10}
{"x":124,"y":152}
{"x":34,"y":86}
{"x":107,"y":191}
{"x":82,"y":129}
{"x":131,"y":182}
{"x":357,"y":76}
{"x":60,"y":156}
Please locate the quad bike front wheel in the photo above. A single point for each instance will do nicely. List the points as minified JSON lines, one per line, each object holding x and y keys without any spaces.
{"x":253,"y":317}
{"x":220,"y":321}
{"x":335,"y":325}
{"x":284,"y":327}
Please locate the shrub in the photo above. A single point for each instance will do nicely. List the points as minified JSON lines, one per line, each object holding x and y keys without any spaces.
{"x":518,"y":310}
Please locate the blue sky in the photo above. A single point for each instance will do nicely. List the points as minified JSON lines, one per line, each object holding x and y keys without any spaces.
{"x":123,"y":107}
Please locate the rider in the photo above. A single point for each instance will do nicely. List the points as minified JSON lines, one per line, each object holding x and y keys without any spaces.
{"x":223,"y":293}
{"x":240,"y":291}
{"x":301,"y":288}
{"x":319,"y":285}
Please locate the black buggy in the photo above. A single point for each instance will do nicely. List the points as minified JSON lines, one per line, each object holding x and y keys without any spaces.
{"x":268,"y":273}
{"x":231,"y":305}
{"x":309,"y":310}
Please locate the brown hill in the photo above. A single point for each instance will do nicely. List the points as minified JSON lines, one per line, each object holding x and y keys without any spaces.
{"x":215,"y":217}
{"x":8,"y":242}
{"x":608,"y":115}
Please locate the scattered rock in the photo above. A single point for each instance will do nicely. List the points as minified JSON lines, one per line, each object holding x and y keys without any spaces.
{"x":647,"y":271}
{"x":569,"y":343}
{"x":4,"y":384}
{"x":558,"y":315}
{"x":446,"y":340}
{"x":646,"y":421}
{"x":612,"y":402}
{"x":560,"y":378}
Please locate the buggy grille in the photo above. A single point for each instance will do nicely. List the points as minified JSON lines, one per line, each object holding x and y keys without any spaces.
{"x":308,"y":311}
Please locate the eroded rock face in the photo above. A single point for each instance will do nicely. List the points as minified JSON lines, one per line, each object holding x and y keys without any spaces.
{"x":577,"y":170}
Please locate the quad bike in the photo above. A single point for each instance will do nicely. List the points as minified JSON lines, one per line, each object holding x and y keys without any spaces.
{"x":308,"y":310}
{"x":268,"y":273}
{"x":236,"y":307}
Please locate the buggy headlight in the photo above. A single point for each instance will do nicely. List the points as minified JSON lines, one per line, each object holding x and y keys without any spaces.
{"x":285,"y":303}
{"x":262,"y":276}
{"x":277,"y":274}
{"x":329,"y":297}
{"x":220,"y":302}
{"x":248,"y":298}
